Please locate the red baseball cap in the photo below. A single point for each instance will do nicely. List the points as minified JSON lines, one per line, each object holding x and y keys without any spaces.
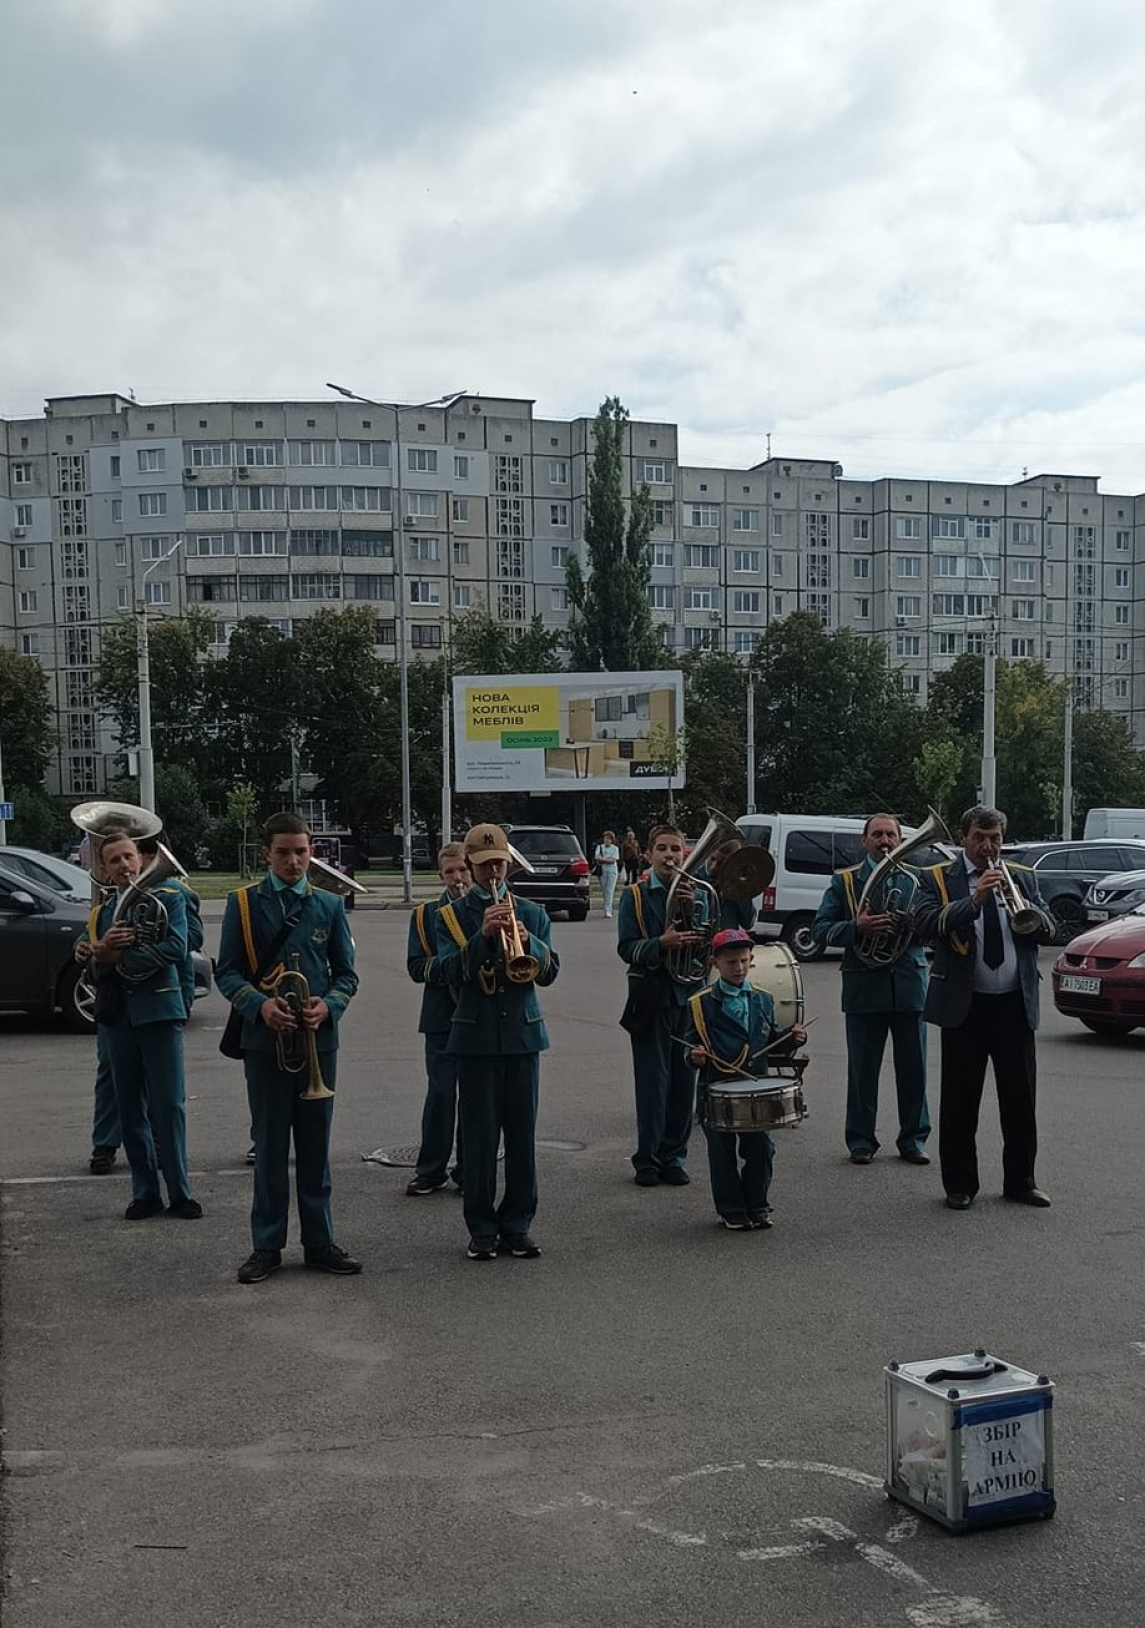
{"x":732,"y":938}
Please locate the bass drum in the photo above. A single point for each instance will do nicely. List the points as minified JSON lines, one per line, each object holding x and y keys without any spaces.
{"x":776,"y":972}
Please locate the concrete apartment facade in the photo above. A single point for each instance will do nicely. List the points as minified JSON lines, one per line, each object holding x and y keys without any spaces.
{"x":278,"y":509}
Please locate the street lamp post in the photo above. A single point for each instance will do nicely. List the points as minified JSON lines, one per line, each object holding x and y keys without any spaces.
{"x":146,"y":754}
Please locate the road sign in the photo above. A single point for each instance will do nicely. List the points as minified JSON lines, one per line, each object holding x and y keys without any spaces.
{"x":7,"y":811}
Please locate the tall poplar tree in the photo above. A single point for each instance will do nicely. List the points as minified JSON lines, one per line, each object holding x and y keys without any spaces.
{"x":612,"y":624}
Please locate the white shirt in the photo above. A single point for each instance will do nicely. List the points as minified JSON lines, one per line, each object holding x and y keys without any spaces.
{"x":607,"y":853}
{"x":992,"y":980}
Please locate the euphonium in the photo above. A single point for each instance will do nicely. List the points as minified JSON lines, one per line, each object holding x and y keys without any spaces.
{"x":890,"y":890}
{"x":1024,"y":918}
{"x":298,"y":1047}
{"x":520,"y":966}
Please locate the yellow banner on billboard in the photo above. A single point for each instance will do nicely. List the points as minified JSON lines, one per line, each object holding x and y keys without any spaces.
{"x":492,"y":713}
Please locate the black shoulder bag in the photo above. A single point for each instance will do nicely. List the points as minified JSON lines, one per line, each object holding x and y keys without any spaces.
{"x":231,"y":1040}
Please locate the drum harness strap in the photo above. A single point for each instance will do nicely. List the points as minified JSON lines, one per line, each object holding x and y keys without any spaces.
{"x":695,"y":1004}
{"x":938,"y":872}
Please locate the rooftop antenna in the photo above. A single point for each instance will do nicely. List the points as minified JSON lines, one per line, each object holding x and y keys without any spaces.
{"x":769,"y":443}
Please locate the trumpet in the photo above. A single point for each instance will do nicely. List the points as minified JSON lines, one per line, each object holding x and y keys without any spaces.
{"x":1024,"y":918}
{"x":520,"y":966}
{"x":298,"y":1047}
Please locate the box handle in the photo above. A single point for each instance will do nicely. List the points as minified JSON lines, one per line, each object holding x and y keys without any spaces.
{"x":984,"y":1370}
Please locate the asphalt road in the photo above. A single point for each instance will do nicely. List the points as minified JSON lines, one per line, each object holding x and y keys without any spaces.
{"x":656,"y":1423}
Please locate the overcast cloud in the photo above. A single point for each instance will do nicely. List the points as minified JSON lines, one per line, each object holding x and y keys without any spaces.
{"x":905,"y":234}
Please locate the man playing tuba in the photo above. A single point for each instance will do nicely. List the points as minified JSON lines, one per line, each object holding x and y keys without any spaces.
{"x":884,"y":991}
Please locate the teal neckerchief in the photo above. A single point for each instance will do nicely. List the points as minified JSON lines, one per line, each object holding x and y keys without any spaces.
{"x":733,"y":998}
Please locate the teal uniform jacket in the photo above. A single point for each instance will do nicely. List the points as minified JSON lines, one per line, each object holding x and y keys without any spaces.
{"x":194,"y":940}
{"x":900,"y":987}
{"x":425,"y":966}
{"x":321,"y":940}
{"x":743,"y":1048}
{"x":640,"y":921}
{"x":494,"y":1017}
{"x":151,"y":974}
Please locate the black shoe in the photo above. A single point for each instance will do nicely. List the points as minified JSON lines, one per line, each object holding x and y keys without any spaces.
{"x":250,"y":1155}
{"x":331,"y":1258}
{"x":260,"y":1265}
{"x":915,"y":1156}
{"x":101,"y":1161}
{"x":959,"y":1201}
{"x":482,"y":1249}
{"x":186,"y":1209}
{"x":1029,"y":1195}
{"x":647,"y":1178}
{"x":142,"y":1209}
{"x":735,"y":1223}
{"x":861,"y":1158}
{"x":519,"y":1244}
{"x":674,"y":1175}
{"x":419,"y":1187}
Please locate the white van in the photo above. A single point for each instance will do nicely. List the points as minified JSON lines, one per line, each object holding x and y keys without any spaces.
{"x":807,"y":849}
{"x":1114,"y":822}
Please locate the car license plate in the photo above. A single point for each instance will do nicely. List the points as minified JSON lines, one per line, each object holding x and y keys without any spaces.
{"x":546,"y":870}
{"x":1080,"y":986}
{"x":1097,"y":915}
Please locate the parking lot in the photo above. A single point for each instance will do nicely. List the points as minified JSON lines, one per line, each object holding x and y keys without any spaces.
{"x":657,"y":1422}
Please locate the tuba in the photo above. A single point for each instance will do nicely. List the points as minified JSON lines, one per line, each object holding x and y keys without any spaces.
{"x":326,"y":879}
{"x":96,"y":819}
{"x":890,"y":890}
{"x":138,"y":906}
{"x":693,"y":903}
{"x":298,"y":1047}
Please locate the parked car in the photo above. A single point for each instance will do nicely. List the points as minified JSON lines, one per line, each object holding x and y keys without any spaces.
{"x":1114,"y":896}
{"x":1067,"y":870}
{"x":559,"y":878}
{"x":58,"y":874}
{"x":1099,"y":978}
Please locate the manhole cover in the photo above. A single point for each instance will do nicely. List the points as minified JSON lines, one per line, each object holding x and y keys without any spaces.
{"x":562,"y":1147}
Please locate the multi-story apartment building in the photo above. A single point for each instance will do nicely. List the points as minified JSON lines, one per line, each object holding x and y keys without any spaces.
{"x":276,"y":509}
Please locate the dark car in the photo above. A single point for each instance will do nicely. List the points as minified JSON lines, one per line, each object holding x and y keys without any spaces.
{"x":1067,"y":870}
{"x":1100,"y":977}
{"x":559,"y":875}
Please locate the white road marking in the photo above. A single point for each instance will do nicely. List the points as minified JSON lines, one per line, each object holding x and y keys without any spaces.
{"x":952,"y":1611}
{"x":858,"y":1477}
{"x":1138,"y":1346}
{"x":779,"y":1551}
{"x":905,"y":1528}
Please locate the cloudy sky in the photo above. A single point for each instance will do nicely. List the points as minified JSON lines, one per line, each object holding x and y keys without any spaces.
{"x":904,"y":234}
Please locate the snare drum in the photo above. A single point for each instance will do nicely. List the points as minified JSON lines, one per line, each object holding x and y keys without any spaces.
{"x":754,"y":1107}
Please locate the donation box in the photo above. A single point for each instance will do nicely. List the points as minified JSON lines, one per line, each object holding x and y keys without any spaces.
{"x":970,"y":1440}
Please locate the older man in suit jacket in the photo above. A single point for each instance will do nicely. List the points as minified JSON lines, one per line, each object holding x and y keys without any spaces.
{"x":983,"y":996}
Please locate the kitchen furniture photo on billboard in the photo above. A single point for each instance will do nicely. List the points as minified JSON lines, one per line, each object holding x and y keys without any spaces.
{"x":568,"y":731}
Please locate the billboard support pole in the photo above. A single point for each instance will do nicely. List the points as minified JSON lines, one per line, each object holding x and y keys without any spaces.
{"x":579,"y":817}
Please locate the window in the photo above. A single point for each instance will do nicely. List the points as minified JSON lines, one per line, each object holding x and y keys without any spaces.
{"x":421,"y":460}
{"x":699,"y":598}
{"x":949,"y":604}
{"x":975,"y":644}
{"x":1022,"y":610}
{"x":655,"y":471}
{"x":820,"y":605}
{"x":365,"y":499}
{"x":29,"y":644}
{"x":360,"y":586}
{"x":385,"y":632}
{"x":1023,"y":570}
{"x":263,"y":590}
{"x":507,"y":472}
{"x":261,"y":454}
{"x":559,"y":555}
{"x":262,"y":498}
{"x":700,"y":556}
{"x":153,"y":548}
{"x":908,"y":605}
{"x":113,"y":466}
{"x":1120,"y":689}
{"x":366,"y":454}
{"x":777,"y":525}
{"x":745,"y":559}
{"x":157,"y":593}
{"x":1121,"y":540}
{"x":117,"y":510}
{"x":747,"y":603}
{"x":983,"y":528}
{"x":661,"y":597}
{"x":311,"y":540}
{"x":368,"y":545}
{"x":1121,"y":614}
{"x":558,"y":472}
{"x":462,"y":596}
{"x":1022,"y":531}
{"x":25,"y":559}
{"x":559,"y":599}
{"x":777,"y":565}
{"x":558,"y":514}
{"x":705,"y":514}
{"x":461,"y":466}
{"x":460,"y":510}
{"x":425,"y":548}
{"x":1022,"y":648}
{"x":1121,"y":577}
{"x":421,"y":505}
{"x":701,"y":638}
{"x":948,"y":525}
{"x":661,"y":513}
{"x":460,"y":552}
{"x":909,"y":565}
{"x":862,"y":608}
{"x":152,"y":460}
{"x":121,"y":553}
{"x":907,"y":644}
{"x":908,"y":525}
{"x":981,"y":604}
{"x":947,"y":565}
{"x":860,"y":528}
{"x":207,"y":454}
{"x":210,"y":499}
{"x":23,"y":514}
{"x":212,"y":590}
{"x":152,"y":504}
{"x":21,"y":474}
{"x":425,"y":638}
{"x":744,"y":642}
{"x":1121,"y":650}
{"x":777,"y":604}
{"x":861,"y":568}
{"x":511,"y":602}
{"x":28,"y":601}
{"x":745,"y":519}
{"x":424,"y":592}
{"x":1084,"y":538}
{"x":314,"y":453}
{"x":976,"y":566}
{"x":948,"y":644}
{"x":316,"y":585}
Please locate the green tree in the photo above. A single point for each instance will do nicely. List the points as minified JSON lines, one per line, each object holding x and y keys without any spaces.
{"x":715,"y":723}
{"x":187,"y":827}
{"x":1108,"y":769}
{"x":611,"y":624}
{"x":254,"y":697}
{"x":27,"y":729}
{"x":483,"y":644}
{"x":938,"y":768}
{"x":177,"y":647}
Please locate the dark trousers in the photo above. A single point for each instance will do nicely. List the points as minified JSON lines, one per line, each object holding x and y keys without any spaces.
{"x":740,"y":1169}
{"x":439,"y":1115}
{"x":277,"y":1115}
{"x":105,"y":1109}
{"x":147,"y":1066}
{"x":497,"y":1097}
{"x":866,"y":1041}
{"x":995,"y":1030}
{"x":665,"y":1091}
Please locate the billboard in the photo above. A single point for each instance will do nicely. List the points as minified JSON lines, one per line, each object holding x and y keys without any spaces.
{"x":568,"y":731}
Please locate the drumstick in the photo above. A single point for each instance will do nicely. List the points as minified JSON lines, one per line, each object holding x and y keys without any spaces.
{"x":725,"y":1068}
{"x":783,"y":1040}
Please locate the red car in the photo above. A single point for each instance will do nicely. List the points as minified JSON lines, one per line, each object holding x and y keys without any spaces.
{"x":1100,"y":977}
